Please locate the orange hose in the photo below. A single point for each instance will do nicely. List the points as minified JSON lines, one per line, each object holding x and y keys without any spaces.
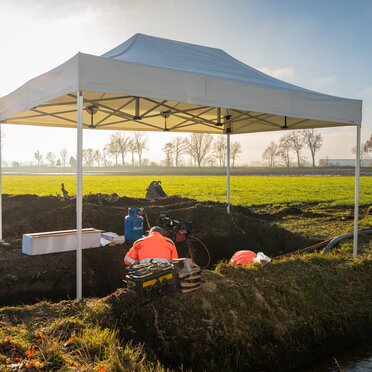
{"x":305,"y":250}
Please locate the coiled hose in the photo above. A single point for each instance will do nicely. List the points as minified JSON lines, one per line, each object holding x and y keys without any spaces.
{"x":190,"y":237}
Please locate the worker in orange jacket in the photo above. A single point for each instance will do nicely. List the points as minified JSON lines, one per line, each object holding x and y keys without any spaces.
{"x":155,"y":247}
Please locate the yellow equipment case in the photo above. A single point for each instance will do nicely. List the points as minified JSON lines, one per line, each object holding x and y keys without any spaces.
{"x":152,"y":280}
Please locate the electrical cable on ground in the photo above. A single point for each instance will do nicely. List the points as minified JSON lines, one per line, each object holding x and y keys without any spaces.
{"x":311,"y":248}
{"x":329,"y":244}
{"x":338,"y":238}
{"x":190,"y":237}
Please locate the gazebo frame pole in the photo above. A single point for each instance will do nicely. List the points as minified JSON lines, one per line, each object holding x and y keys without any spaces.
{"x":228,"y":172}
{"x":79,"y":195}
{"x":1,"y":188}
{"x":356,"y":197}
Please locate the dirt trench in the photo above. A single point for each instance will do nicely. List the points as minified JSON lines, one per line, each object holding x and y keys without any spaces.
{"x":25,"y":279}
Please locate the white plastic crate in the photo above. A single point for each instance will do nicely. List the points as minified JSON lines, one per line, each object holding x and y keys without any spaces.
{"x":59,"y":241}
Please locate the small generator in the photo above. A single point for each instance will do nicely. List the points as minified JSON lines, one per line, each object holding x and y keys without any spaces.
{"x":175,"y":228}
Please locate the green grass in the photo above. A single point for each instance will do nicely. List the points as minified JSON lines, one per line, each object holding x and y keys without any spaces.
{"x":66,"y":336}
{"x":245,"y":190}
{"x":276,"y":303}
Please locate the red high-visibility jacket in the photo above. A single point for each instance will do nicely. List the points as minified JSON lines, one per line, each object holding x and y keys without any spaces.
{"x":155,"y":246}
{"x":243,"y":257}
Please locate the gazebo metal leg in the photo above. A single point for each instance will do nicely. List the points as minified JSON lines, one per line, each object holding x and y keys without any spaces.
{"x":356,"y":203}
{"x":79,"y":196}
{"x":1,"y":190}
{"x":228,"y":174}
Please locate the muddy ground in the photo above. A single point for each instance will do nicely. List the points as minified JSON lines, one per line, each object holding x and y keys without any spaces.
{"x":26,"y":278}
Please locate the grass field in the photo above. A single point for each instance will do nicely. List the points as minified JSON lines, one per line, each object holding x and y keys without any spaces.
{"x":245,"y":190}
{"x":85,"y":336}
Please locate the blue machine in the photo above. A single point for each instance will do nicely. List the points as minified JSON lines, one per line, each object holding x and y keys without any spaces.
{"x":133,"y":225}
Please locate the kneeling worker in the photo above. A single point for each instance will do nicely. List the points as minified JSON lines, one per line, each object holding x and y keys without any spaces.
{"x":155,"y":247}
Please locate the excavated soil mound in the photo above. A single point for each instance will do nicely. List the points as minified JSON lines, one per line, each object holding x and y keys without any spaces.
{"x":26,"y":278}
{"x":272,"y":318}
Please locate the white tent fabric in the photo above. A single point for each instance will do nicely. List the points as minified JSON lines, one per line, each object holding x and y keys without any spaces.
{"x":203,"y":89}
{"x":154,"y":84}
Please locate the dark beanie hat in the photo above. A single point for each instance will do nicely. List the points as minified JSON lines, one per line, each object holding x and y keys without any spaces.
{"x":156,"y":229}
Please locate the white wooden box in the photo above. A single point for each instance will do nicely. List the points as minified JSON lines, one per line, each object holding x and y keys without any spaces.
{"x":59,"y":241}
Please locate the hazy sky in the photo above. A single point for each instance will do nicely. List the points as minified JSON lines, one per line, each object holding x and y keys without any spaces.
{"x":325,"y":45}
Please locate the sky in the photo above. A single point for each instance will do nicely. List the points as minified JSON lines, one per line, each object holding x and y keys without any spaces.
{"x":324,"y":45}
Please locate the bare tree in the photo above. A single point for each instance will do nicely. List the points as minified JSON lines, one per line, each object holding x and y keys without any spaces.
{"x":168,"y":151}
{"x":235,"y":150}
{"x":72,"y":162}
{"x":367,"y":147}
{"x":89,"y":157}
{"x":119,"y":145}
{"x":111,"y":149}
{"x":106,"y":161}
{"x":140,"y":144}
{"x":220,"y":150}
{"x":285,"y":146}
{"x":51,"y":158}
{"x":313,"y":140}
{"x":270,"y":154}
{"x":362,"y":152}
{"x":198,"y":146}
{"x":179,"y":148}
{"x":297,"y":141}
{"x":132,"y":150}
{"x":39,"y":157}
{"x":98,"y":157}
{"x":63,"y":155}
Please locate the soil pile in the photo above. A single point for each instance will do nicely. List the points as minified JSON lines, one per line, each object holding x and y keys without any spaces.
{"x":275,"y":317}
{"x":27,"y":278}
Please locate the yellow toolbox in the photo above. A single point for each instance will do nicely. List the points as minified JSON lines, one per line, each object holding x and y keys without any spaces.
{"x":152,"y":280}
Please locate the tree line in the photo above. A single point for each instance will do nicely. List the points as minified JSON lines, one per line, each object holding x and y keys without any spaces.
{"x":365,"y":148}
{"x":113,"y":153}
{"x":293,"y":143}
{"x":201,"y":148}
{"x":197,"y":149}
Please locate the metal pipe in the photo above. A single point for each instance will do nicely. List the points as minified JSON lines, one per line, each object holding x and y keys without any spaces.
{"x":218,"y":116}
{"x":335,"y":240}
{"x":1,"y":189}
{"x":79,"y":196}
{"x":356,"y":197}
{"x":228,"y":173}
{"x":137,"y":115}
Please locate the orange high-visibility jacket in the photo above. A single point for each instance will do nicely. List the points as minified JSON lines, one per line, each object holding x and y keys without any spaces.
{"x":243,"y":258}
{"x":155,"y":246}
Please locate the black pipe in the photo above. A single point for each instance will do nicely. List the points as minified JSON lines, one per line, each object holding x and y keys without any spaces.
{"x":335,"y":240}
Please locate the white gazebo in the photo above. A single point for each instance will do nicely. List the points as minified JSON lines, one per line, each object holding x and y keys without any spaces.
{"x":153,"y":84}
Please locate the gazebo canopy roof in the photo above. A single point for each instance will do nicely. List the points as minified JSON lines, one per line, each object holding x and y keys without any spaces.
{"x":150,"y":83}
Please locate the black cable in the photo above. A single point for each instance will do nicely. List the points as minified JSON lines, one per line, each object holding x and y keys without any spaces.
{"x":190,"y":237}
{"x":335,"y":240}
